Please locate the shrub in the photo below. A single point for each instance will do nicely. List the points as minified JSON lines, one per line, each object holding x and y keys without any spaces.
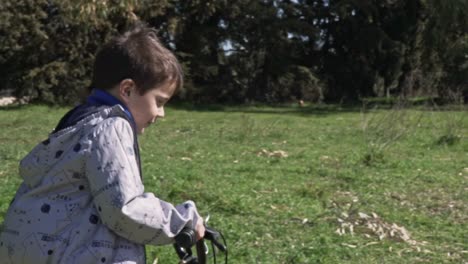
{"x":48,"y":46}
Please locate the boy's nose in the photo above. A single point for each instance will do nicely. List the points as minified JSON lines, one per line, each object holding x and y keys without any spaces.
{"x":161,"y":112}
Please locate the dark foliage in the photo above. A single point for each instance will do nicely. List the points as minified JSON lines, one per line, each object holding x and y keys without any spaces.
{"x":242,"y":51}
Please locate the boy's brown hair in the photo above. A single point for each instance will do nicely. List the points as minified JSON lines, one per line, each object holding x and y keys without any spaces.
{"x":138,"y":55}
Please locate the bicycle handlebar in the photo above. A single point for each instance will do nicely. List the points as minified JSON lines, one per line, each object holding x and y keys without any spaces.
{"x":187,"y":238}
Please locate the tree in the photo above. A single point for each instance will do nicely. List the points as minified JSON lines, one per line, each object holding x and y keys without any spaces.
{"x":242,"y":50}
{"x":49,"y":45}
{"x":447,"y":34}
{"x":377,"y":48}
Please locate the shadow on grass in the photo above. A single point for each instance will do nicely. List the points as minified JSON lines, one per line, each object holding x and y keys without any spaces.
{"x":295,"y":109}
{"x":12,"y":107}
{"x":25,"y":106}
{"x":317,"y":109}
{"x":364,"y":104}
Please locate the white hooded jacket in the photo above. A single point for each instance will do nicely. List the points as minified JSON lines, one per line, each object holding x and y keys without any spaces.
{"x":82,"y":199}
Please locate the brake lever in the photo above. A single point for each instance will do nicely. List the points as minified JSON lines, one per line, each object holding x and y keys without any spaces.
{"x":213,"y":236}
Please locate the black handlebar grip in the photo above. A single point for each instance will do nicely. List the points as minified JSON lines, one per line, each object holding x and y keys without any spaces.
{"x":186,"y":238}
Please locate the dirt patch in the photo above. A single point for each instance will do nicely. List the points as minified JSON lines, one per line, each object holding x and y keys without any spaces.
{"x":7,"y":100}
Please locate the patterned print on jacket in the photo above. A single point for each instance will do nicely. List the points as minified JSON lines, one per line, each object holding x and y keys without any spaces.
{"x":82,"y":199}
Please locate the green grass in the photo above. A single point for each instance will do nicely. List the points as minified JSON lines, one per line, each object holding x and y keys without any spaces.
{"x":409,"y":167}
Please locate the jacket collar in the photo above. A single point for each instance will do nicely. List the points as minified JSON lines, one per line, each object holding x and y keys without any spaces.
{"x":100,"y":97}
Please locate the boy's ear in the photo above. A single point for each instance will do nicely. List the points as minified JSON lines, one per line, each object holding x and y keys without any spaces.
{"x":126,"y":88}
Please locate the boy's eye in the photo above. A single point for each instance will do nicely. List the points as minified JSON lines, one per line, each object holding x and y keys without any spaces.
{"x":159,"y":102}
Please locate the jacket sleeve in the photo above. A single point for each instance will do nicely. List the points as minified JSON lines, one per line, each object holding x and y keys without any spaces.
{"x":118,"y":192}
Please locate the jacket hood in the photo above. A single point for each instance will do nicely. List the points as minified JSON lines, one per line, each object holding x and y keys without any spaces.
{"x":34,"y":166}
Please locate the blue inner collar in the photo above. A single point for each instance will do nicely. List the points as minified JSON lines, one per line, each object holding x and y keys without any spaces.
{"x":101,"y":97}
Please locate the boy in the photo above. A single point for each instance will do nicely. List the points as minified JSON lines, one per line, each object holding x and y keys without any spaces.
{"x":82,"y":199}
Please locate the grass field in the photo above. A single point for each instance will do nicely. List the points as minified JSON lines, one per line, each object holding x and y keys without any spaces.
{"x":317,"y":184}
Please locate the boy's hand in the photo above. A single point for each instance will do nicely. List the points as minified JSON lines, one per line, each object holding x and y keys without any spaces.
{"x":200,"y":228}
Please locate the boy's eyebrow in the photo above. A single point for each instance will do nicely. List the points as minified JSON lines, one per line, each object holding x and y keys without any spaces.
{"x":162,"y":98}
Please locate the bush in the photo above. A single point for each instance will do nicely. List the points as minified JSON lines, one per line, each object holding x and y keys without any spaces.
{"x":48,"y":46}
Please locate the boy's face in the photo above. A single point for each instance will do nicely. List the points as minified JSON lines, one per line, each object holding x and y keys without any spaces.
{"x":148,"y":107}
